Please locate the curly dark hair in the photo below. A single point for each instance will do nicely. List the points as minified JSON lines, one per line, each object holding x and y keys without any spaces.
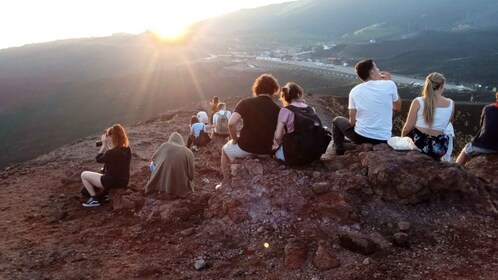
{"x":265,"y":84}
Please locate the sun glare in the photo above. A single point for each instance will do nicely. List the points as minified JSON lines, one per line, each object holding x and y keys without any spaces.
{"x":172,"y":32}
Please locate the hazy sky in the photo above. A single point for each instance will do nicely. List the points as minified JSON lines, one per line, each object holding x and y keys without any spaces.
{"x":31,"y":21}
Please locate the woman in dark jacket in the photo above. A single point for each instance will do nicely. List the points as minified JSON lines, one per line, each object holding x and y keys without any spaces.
{"x":115,"y":154}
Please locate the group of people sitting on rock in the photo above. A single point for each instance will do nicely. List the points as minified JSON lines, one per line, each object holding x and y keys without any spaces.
{"x":217,"y":123}
{"x":294,"y":134}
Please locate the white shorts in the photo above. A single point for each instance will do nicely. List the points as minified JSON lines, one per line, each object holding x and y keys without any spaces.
{"x":233,"y":151}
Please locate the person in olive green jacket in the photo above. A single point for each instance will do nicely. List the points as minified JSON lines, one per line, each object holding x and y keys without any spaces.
{"x":173,"y":168}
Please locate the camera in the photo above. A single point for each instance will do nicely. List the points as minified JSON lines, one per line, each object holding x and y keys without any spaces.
{"x":98,"y":143}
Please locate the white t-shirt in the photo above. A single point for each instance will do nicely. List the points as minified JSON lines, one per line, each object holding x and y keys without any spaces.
{"x":373,"y":101}
{"x":203,"y":117}
{"x":217,"y":115}
{"x":197,"y":128}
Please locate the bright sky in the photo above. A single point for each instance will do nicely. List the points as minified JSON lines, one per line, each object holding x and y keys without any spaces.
{"x":32,"y":21}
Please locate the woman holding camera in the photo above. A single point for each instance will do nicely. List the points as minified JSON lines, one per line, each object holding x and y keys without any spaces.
{"x":115,"y":154}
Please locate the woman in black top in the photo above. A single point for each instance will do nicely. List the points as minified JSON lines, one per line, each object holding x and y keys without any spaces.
{"x":115,"y":154}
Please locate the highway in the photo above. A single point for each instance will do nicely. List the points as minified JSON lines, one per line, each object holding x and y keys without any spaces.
{"x":350,"y":72}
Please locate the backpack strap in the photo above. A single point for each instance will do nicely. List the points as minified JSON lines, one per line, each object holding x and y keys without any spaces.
{"x":295,"y":109}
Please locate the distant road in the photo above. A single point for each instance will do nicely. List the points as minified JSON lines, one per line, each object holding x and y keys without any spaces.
{"x":350,"y":72}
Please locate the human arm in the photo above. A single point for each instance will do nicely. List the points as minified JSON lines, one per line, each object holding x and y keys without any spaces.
{"x":396,"y":99}
{"x":101,"y":156}
{"x":411,"y":118}
{"x":352,"y":116}
{"x":190,"y":166}
{"x":279,"y":132}
{"x":483,"y":115}
{"x":232,"y":126}
{"x":452,"y":111}
{"x":397,"y":104}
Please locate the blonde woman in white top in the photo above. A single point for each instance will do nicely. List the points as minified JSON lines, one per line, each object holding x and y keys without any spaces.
{"x":429,"y":116}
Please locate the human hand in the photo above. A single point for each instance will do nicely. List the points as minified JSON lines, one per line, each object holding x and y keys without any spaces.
{"x":384,"y":75}
{"x":105,"y":140}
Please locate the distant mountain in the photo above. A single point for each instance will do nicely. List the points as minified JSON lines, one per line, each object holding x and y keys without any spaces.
{"x":412,"y":37}
{"x":463,"y":56}
{"x":37,"y":70}
{"x":341,"y":19}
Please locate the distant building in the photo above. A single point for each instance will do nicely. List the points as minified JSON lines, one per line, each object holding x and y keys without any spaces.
{"x":334,"y":60}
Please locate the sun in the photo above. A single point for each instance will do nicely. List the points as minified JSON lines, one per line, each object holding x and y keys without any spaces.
{"x":172,"y":32}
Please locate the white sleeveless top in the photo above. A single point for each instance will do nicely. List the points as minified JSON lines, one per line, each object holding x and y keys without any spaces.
{"x":441,"y":116}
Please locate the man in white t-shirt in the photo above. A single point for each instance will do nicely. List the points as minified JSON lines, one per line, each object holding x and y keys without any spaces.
{"x":370,"y":108}
{"x":220,"y":121}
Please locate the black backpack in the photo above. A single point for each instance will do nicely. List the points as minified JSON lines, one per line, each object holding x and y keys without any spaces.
{"x":308,"y":141}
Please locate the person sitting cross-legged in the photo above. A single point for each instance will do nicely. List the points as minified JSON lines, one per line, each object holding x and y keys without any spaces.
{"x":371,"y":105}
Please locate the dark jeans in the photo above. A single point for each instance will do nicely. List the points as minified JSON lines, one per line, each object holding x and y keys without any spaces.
{"x":341,"y":127}
{"x":221,"y":135}
{"x":191,"y":140}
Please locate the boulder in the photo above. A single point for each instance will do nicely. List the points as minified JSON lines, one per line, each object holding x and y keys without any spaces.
{"x":485,"y":167}
{"x":410,"y":177}
{"x":357,"y":242}
{"x":401,"y":239}
{"x":323,"y":260}
{"x":296,"y":253}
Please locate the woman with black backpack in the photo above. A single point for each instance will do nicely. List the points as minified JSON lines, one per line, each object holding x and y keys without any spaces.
{"x":299,"y":133}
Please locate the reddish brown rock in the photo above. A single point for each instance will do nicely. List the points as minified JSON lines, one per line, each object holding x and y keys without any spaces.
{"x":323,"y":260}
{"x":296,"y":253}
{"x":485,"y":167}
{"x":332,"y":205}
{"x":410,"y":177}
{"x":357,"y":242}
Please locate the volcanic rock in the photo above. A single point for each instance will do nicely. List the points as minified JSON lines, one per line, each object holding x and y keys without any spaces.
{"x":357,"y":242}
{"x":323,"y":260}
{"x":296,"y":253}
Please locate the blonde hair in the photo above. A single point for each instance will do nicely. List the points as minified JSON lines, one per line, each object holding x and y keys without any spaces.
{"x":433,"y":82}
{"x":118,"y":136}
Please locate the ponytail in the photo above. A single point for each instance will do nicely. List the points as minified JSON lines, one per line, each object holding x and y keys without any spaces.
{"x":433,"y":82}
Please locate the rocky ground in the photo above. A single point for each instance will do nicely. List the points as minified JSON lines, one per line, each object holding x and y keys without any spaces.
{"x":373,"y":213}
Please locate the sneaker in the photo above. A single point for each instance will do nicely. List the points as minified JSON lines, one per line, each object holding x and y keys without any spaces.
{"x":92,"y":202}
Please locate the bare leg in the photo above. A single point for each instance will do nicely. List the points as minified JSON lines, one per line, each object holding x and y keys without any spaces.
{"x":462,"y":158}
{"x":90,"y":181}
{"x":225,"y":161}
